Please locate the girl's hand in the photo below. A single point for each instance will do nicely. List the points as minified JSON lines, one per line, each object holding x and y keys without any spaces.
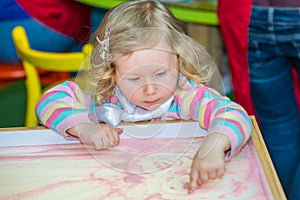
{"x":209,"y":162}
{"x":101,"y":136}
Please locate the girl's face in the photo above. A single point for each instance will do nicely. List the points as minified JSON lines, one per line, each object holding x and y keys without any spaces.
{"x":147,"y":78}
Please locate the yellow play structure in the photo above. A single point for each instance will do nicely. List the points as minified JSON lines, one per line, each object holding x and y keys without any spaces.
{"x":33,"y":60}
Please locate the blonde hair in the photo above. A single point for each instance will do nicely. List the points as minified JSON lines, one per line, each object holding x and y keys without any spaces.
{"x":144,"y":24}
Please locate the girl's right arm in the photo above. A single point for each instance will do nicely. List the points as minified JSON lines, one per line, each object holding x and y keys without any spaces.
{"x":65,"y":109}
{"x":62,"y":107}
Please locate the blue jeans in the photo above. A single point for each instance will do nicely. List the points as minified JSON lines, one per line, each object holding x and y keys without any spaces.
{"x":274,"y":49}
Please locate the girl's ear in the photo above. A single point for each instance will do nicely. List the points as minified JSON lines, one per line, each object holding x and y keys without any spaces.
{"x":113,"y":75}
{"x":113,"y":81}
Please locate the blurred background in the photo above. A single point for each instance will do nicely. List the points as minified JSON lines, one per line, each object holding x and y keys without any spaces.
{"x":65,"y":26}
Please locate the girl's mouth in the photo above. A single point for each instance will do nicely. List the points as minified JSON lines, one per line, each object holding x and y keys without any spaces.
{"x":152,"y":102}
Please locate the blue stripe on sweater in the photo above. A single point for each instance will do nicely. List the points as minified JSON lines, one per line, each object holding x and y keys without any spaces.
{"x":63,"y":115}
{"x":54,"y":97}
{"x":231,"y":126}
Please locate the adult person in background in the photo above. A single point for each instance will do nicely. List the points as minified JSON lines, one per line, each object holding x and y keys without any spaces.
{"x":51,"y":25}
{"x":262,"y":38}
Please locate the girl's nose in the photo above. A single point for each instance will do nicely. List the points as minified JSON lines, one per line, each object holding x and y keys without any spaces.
{"x":150,"y":89}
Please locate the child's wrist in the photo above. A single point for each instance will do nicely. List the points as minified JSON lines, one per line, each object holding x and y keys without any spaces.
{"x":220,"y":140}
{"x":215,"y":142}
{"x":75,"y":130}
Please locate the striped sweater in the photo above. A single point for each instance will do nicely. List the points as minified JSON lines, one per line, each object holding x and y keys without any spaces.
{"x":65,"y":106}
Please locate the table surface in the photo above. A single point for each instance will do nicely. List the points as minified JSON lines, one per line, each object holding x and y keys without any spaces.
{"x":200,"y":12}
{"x":62,"y":168}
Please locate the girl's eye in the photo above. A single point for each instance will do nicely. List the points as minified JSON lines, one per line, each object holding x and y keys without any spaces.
{"x":134,"y":78}
{"x":159,"y":74}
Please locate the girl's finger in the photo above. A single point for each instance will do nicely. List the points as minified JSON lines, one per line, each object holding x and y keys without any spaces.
{"x":199,"y":182}
{"x":113,"y":137}
{"x":194,"y":176}
{"x":119,"y":130}
{"x":220,"y":172}
{"x":212,"y":174}
{"x":98,"y":144}
{"x":105,"y":141}
{"x":204,"y":177}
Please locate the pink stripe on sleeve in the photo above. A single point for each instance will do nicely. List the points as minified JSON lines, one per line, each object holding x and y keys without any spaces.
{"x":196,"y":100}
{"x":54,"y":115}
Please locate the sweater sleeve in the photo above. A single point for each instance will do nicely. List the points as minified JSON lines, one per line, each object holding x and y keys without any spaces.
{"x":217,"y":114}
{"x":63,"y":107}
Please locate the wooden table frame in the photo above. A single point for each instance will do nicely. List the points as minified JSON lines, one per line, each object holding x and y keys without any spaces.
{"x":266,"y":162}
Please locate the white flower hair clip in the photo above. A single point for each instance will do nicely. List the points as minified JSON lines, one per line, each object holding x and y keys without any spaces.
{"x":104,"y":50}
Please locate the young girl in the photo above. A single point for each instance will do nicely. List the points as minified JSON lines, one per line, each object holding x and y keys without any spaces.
{"x":144,"y":67}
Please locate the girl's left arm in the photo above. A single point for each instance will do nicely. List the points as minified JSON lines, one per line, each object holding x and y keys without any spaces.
{"x":218,"y":114}
{"x":228,"y":129}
